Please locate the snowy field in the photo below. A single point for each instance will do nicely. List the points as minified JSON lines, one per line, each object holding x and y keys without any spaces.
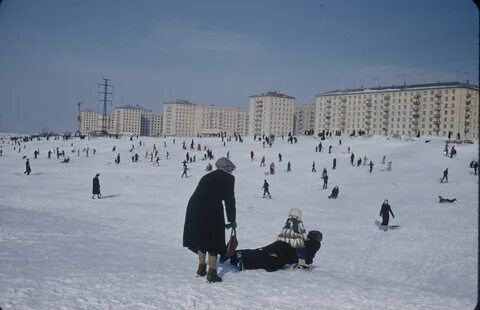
{"x":59,"y":249}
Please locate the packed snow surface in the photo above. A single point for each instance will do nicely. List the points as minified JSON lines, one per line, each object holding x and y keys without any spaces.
{"x":59,"y":249}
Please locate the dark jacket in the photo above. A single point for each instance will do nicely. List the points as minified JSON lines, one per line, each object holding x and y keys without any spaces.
{"x":384,"y":213}
{"x":96,"y":186}
{"x":274,"y":256}
{"x":204,"y":220}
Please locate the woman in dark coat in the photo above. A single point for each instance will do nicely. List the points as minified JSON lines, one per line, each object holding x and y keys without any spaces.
{"x":96,"y":187}
{"x":384,"y":213}
{"x":204,"y":229}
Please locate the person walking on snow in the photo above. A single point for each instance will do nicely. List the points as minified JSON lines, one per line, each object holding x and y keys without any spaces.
{"x":262,"y":162}
{"x":334,"y":164}
{"x":352,"y":157}
{"x":385,"y":212}
{"x":265,"y":189}
{"x":204,"y":228}
{"x":289,"y":167}
{"x":96,"y":187}
{"x":185,"y":168}
{"x":371,"y":166}
{"x":28,"y":170}
{"x":445,"y":176}
{"x":313,"y":167}
{"x":325,"y":181}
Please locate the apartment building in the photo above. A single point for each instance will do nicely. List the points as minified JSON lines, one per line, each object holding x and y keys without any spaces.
{"x":151,"y":123}
{"x":304,"y":118}
{"x":429,"y":109}
{"x":271,"y":113}
{"x":128,"y":120}
{"x":91,"y":121}
{"x":211,"y":120}
{"x":184,"y":118}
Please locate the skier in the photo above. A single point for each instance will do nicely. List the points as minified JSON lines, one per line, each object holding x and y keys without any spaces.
{"x":352,"y":157}
{"x":334,"y":193}
{"x":334,"y":164}
{"x":445,"y":176}
{"x":359,"y":162}
{"x":475,"y":168}
{"x":289,"y":167}
{"x":279,"y":157}
{"x":204,"y":229}
{"x":294,"y":234}
{"x":385,"y":214}
{"x":96,"y":187}
{"x":330,"y":149}
{"x":371,"y":166}
{"x":49,"y":154}
{"x":313,"y":167}
{"x":185,"y":168}
{"x":262,"y":162}
{"x":28,"y":170}
{"x":383,"y":159}
{"x":251,"y":155}
{"x":325,"y":181}
{"x":265,"y":189}
{"x":117,"y":160}
{"x":446,"y":149}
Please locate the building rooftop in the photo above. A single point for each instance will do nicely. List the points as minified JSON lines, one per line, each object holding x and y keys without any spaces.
{"x":400,"y":87}
{"x":179,"y":101}
{"x":273,"y":94}
{"x":131,"y":107}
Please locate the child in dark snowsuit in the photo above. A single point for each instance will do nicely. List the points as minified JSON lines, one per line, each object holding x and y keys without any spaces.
{"x":265,"y":189}
{"x":385,"y":214}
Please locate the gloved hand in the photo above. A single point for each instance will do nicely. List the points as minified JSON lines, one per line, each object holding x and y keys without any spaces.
{"x":231,"y":225}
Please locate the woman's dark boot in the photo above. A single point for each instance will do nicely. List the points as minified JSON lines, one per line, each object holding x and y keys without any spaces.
{"x":202,"y":270}
{"x":212,"y":276}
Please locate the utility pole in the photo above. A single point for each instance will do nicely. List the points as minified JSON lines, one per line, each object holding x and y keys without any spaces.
{"x":79,"y":119}
{"x":105,"y":92}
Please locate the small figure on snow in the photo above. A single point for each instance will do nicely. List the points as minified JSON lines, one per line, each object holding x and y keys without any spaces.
{"x":28,"y":170}
{"x":265,"y":189}
{"x":325,"y":181}
{"x":385,"y":212}
{"x":334,"y":164}
{"x":445,"y":176}
{"x":185,"y":168}
{"x":262,"y":162}
{"x":334,"y":193}
{"x":289,"y":167}
{"x":313,"y":167}
{"x":272,"y":168}
{"x":96,"y":187}
{"x":444,"y":200}
{"x":371,"y":166}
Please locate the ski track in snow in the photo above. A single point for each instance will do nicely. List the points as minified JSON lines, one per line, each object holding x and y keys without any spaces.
{"x":59,"y":249}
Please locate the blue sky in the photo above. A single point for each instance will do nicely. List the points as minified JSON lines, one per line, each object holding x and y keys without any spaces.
{"x":53,"y":53}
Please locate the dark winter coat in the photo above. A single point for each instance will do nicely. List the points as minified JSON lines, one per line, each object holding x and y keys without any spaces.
{"x":384,"y":213}
{"x":96,"y":186}
{"x":274,"y":256}
{"x":204,"y":220}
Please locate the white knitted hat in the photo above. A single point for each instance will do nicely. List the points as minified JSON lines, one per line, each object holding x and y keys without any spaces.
{"x":296,"y":213}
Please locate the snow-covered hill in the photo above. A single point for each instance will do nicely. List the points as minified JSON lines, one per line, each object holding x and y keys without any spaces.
{"x":59,"y":249}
